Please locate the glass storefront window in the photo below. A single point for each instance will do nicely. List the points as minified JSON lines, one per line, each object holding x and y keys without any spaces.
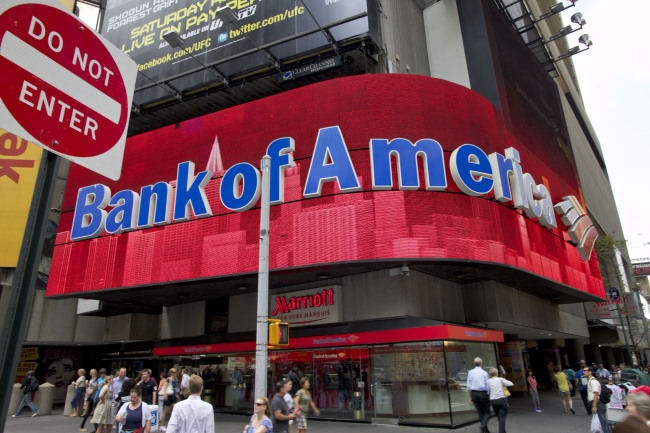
{"x":409,"y":383}
{"x":460,"y":359}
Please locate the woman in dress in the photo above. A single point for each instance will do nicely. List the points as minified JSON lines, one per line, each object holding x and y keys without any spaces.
{"x":90,"y":397}
{"x":104,"y":411}
{"x":563,"y":388}
{"x":498,"y":399}
{"x":79,"y":390}
{"x":303,"y":400}
{"x":261,"y":420}
{"x":134,"y":416}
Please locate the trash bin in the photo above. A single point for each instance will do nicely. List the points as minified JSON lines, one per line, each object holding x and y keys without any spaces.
{"x":67,"y":410}
{"x":44,"y":398}
{"x":154,"y":417}
{"x":356,"y":405}
{"x":16,"y":398}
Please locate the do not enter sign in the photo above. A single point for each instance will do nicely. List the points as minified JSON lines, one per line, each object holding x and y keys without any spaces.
{"x":63,"y":86}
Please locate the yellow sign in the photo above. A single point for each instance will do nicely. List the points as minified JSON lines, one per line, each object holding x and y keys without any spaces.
{"x":19,"y":161}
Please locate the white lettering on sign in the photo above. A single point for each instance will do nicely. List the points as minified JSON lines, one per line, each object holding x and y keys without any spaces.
{"x":65,"y":87}
{"x":94,"y":65}
{"x":27,"y":91}
{"x":46,"y":69}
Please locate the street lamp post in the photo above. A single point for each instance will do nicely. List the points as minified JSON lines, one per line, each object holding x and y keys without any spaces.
{"x":262,"y":337}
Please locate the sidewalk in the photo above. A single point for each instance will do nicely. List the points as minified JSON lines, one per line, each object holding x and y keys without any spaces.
{"x":521,"y":418}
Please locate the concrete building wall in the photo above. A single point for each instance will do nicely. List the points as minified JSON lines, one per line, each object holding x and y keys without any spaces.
{"x":490,"y":301}
{"x":597,"y":190}
{"x":242,"y":310}
{"x":51,"y":319}
{"x":402,"y":30}
{"x":445,"y":43}
{"x":184,"y":320}
{"x":89,"y":329}
{"x":369,"y":296}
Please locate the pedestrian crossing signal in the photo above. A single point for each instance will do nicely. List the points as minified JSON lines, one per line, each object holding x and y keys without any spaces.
{"x":278,"y":333}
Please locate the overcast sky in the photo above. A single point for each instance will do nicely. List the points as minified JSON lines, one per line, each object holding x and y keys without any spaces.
{"x":614,"y":77}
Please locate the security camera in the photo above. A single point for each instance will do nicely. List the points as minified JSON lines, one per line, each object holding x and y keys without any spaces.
{"x":404,"y":270}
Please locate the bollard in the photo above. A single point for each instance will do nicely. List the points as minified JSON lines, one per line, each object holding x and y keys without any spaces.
{"x":44,"y":398}
{"x":356,"y":404}
{"x":67,"y":410}
{"x":16,"y":398}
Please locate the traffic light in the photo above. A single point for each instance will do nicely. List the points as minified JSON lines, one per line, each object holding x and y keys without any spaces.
{"x":278,"y":333}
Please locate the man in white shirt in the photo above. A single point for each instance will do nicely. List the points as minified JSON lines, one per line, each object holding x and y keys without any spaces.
{"x":593,"y":396}
{"x":477,"y":387}
{"x":192,"y":415}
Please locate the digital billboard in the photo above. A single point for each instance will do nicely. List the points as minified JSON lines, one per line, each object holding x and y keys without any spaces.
{"x":236,"y":41}
{"x":330,"y":226}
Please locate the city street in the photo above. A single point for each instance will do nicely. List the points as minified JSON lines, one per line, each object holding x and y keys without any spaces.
{"x":521,"y":418}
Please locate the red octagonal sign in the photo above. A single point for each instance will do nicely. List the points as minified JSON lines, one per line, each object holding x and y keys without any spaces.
{"x":63,"y":86}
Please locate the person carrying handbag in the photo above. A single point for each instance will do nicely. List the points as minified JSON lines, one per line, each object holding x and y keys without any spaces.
{"x":497,"y":388}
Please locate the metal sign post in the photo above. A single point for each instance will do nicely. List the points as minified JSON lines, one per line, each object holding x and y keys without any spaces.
{"x":261,"y":351}
{"x":22,"y":290}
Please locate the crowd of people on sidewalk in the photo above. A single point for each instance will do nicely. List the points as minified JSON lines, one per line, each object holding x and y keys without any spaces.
{"x":600,"y":390}
{"x":112,"y":400}
{"x":117,"y":400}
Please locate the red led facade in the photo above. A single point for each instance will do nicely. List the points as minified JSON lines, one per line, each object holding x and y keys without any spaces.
{"x":335,"y":227}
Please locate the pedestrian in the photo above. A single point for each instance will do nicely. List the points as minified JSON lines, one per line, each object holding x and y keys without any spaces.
{"x":638,"y":421}
{"x":79,"y":390}
{"x":581,"y":383}
{"x":303,"y":400}
{"x":288,"y":398}
{"x":532,"y":388}
{"x":603,"y":373}
{"x":192,"y":415}
{"x":294,"y":376}
{"x":29,"y":387}
{"x":135,"y":415}
{"x":571,"y":378}
{"x":564,"y":390}
{"x":89,"y":398}
{"x":147,"y":385}
{"x":477,"y":388}
{"x":171,"y":396}
{"x":185,"y":382}
{"x":118,"y":383}
{"x":498,"y":398}
{"x":279,"y":408}
{"x":162,"y":386}
{"x":593,"y":393}
{"x":103,"y":416}
{"x":260,"y":421}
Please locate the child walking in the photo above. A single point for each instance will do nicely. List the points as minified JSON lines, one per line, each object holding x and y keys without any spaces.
{"x":532,"y":387}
